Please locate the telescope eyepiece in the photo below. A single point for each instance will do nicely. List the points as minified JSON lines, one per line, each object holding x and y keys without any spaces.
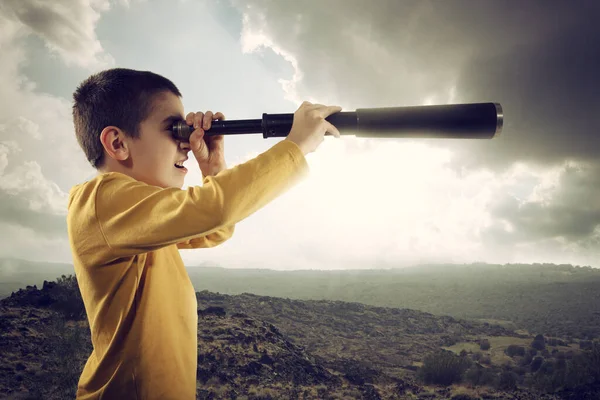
{"x":181,"y":131}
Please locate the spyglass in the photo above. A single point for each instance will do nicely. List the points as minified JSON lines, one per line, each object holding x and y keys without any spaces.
{"x":448,"y":121}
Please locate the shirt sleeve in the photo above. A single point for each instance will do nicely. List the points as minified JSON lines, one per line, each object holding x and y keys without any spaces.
{"x":212,"y":240}
{"x":135,"y":217}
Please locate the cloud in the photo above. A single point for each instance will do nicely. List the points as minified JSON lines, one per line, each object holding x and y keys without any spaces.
{"x":391,"y":52}
{"x":538,"y":60}
{"x":30,"y":200}
{"x":549,"y":92}
{"x":352,"y":214}
{"x":38,"y":152}
{"x":565,"y":207}
{"x":39,"y":155}
{"x":66,"y":27}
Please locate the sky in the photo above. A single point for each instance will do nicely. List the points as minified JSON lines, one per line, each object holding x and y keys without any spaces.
{"x":529,"y":195}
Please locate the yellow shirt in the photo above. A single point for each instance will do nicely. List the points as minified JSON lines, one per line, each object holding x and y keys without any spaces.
{"x":141,"y":306}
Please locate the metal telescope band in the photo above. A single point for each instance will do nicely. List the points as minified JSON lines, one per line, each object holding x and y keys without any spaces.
{"x":450,"y":121}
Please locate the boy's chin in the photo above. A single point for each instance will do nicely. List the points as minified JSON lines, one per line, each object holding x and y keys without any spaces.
{"x":177,"y":185}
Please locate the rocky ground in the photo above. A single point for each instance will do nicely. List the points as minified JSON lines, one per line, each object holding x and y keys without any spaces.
{"x":253,"y":347}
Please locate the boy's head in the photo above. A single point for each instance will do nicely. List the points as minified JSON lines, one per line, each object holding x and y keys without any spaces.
{"x":122,"y":119}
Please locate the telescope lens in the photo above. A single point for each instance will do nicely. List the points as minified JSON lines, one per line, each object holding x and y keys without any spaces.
{"x":499,"y":118}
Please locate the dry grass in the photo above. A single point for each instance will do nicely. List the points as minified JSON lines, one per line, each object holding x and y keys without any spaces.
{"x":219,"y":390}
{"x":496,"y":351}
{"x":473,"y":392}
{"x":498,"y":344}
{"x":467,"y":346}
{"x":263,"y":392}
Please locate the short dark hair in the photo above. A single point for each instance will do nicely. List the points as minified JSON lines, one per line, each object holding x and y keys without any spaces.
{"x":119,"y":97}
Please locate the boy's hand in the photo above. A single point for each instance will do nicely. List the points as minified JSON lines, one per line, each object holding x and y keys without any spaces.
{"x":310,"y":126}
{"x":209,"y":151}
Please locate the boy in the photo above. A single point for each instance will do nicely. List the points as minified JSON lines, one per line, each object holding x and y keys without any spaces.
{"x":127,"y":224}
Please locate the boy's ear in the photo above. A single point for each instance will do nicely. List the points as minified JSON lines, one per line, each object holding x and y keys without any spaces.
{"x":114,"y":143}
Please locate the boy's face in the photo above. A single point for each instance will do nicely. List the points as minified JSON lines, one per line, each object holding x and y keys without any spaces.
{"x":154,"y":154}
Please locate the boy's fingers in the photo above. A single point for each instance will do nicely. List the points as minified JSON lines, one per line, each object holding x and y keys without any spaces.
{"x":198,"y":119}
{"x":197,"y":140}
{"x":189,"y":119}
{"x":332,"y":128}
{"x":327,"y":111}
{"x":203,"y":120}
{"x":207,"y":120}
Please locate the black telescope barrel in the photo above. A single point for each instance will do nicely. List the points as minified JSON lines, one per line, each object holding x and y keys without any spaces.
{"x":453,"y":121}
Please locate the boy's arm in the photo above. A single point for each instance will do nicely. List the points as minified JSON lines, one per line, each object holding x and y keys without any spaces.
{"x":212,"y":240}
{"x":135,"y":218}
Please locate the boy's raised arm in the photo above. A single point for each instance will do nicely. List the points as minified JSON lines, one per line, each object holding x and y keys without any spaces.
{"x":135,"y":218}
{"x":211,"y":240}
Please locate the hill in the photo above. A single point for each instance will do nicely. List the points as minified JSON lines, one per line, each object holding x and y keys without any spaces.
{"x":259,"y":347}
{"x":555,"y":300}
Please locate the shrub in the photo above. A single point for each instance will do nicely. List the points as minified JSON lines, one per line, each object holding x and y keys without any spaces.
{"x":67,"y":298}
{"x":583,"y":369}
{"x":473,"y":375}
{"x":570,"y":354}
{"x":576,"y":372}
{"x":546,"y":383}
{"x":526,"y":360}
{"x":484,"y":344}
{"x":507,"y":381}
{"x":67,"y":348}
{"x":479,"y":376}
{"x":488,"y":378}
{"x":443,"y":368}
{"x":538,"y":344}
{"x":450,"y":340}
{"x":547,"y":368}
{"x":536,"y":363}
{"x":545,"y":353}
{"x":532,"y":351}
{"x":514,"y":350}
{"x":585,"y":344}
{"x":561,"y":363}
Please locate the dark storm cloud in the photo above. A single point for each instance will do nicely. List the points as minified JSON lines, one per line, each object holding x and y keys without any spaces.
{"x":550,"y":92}
{"x":539,"y":59}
